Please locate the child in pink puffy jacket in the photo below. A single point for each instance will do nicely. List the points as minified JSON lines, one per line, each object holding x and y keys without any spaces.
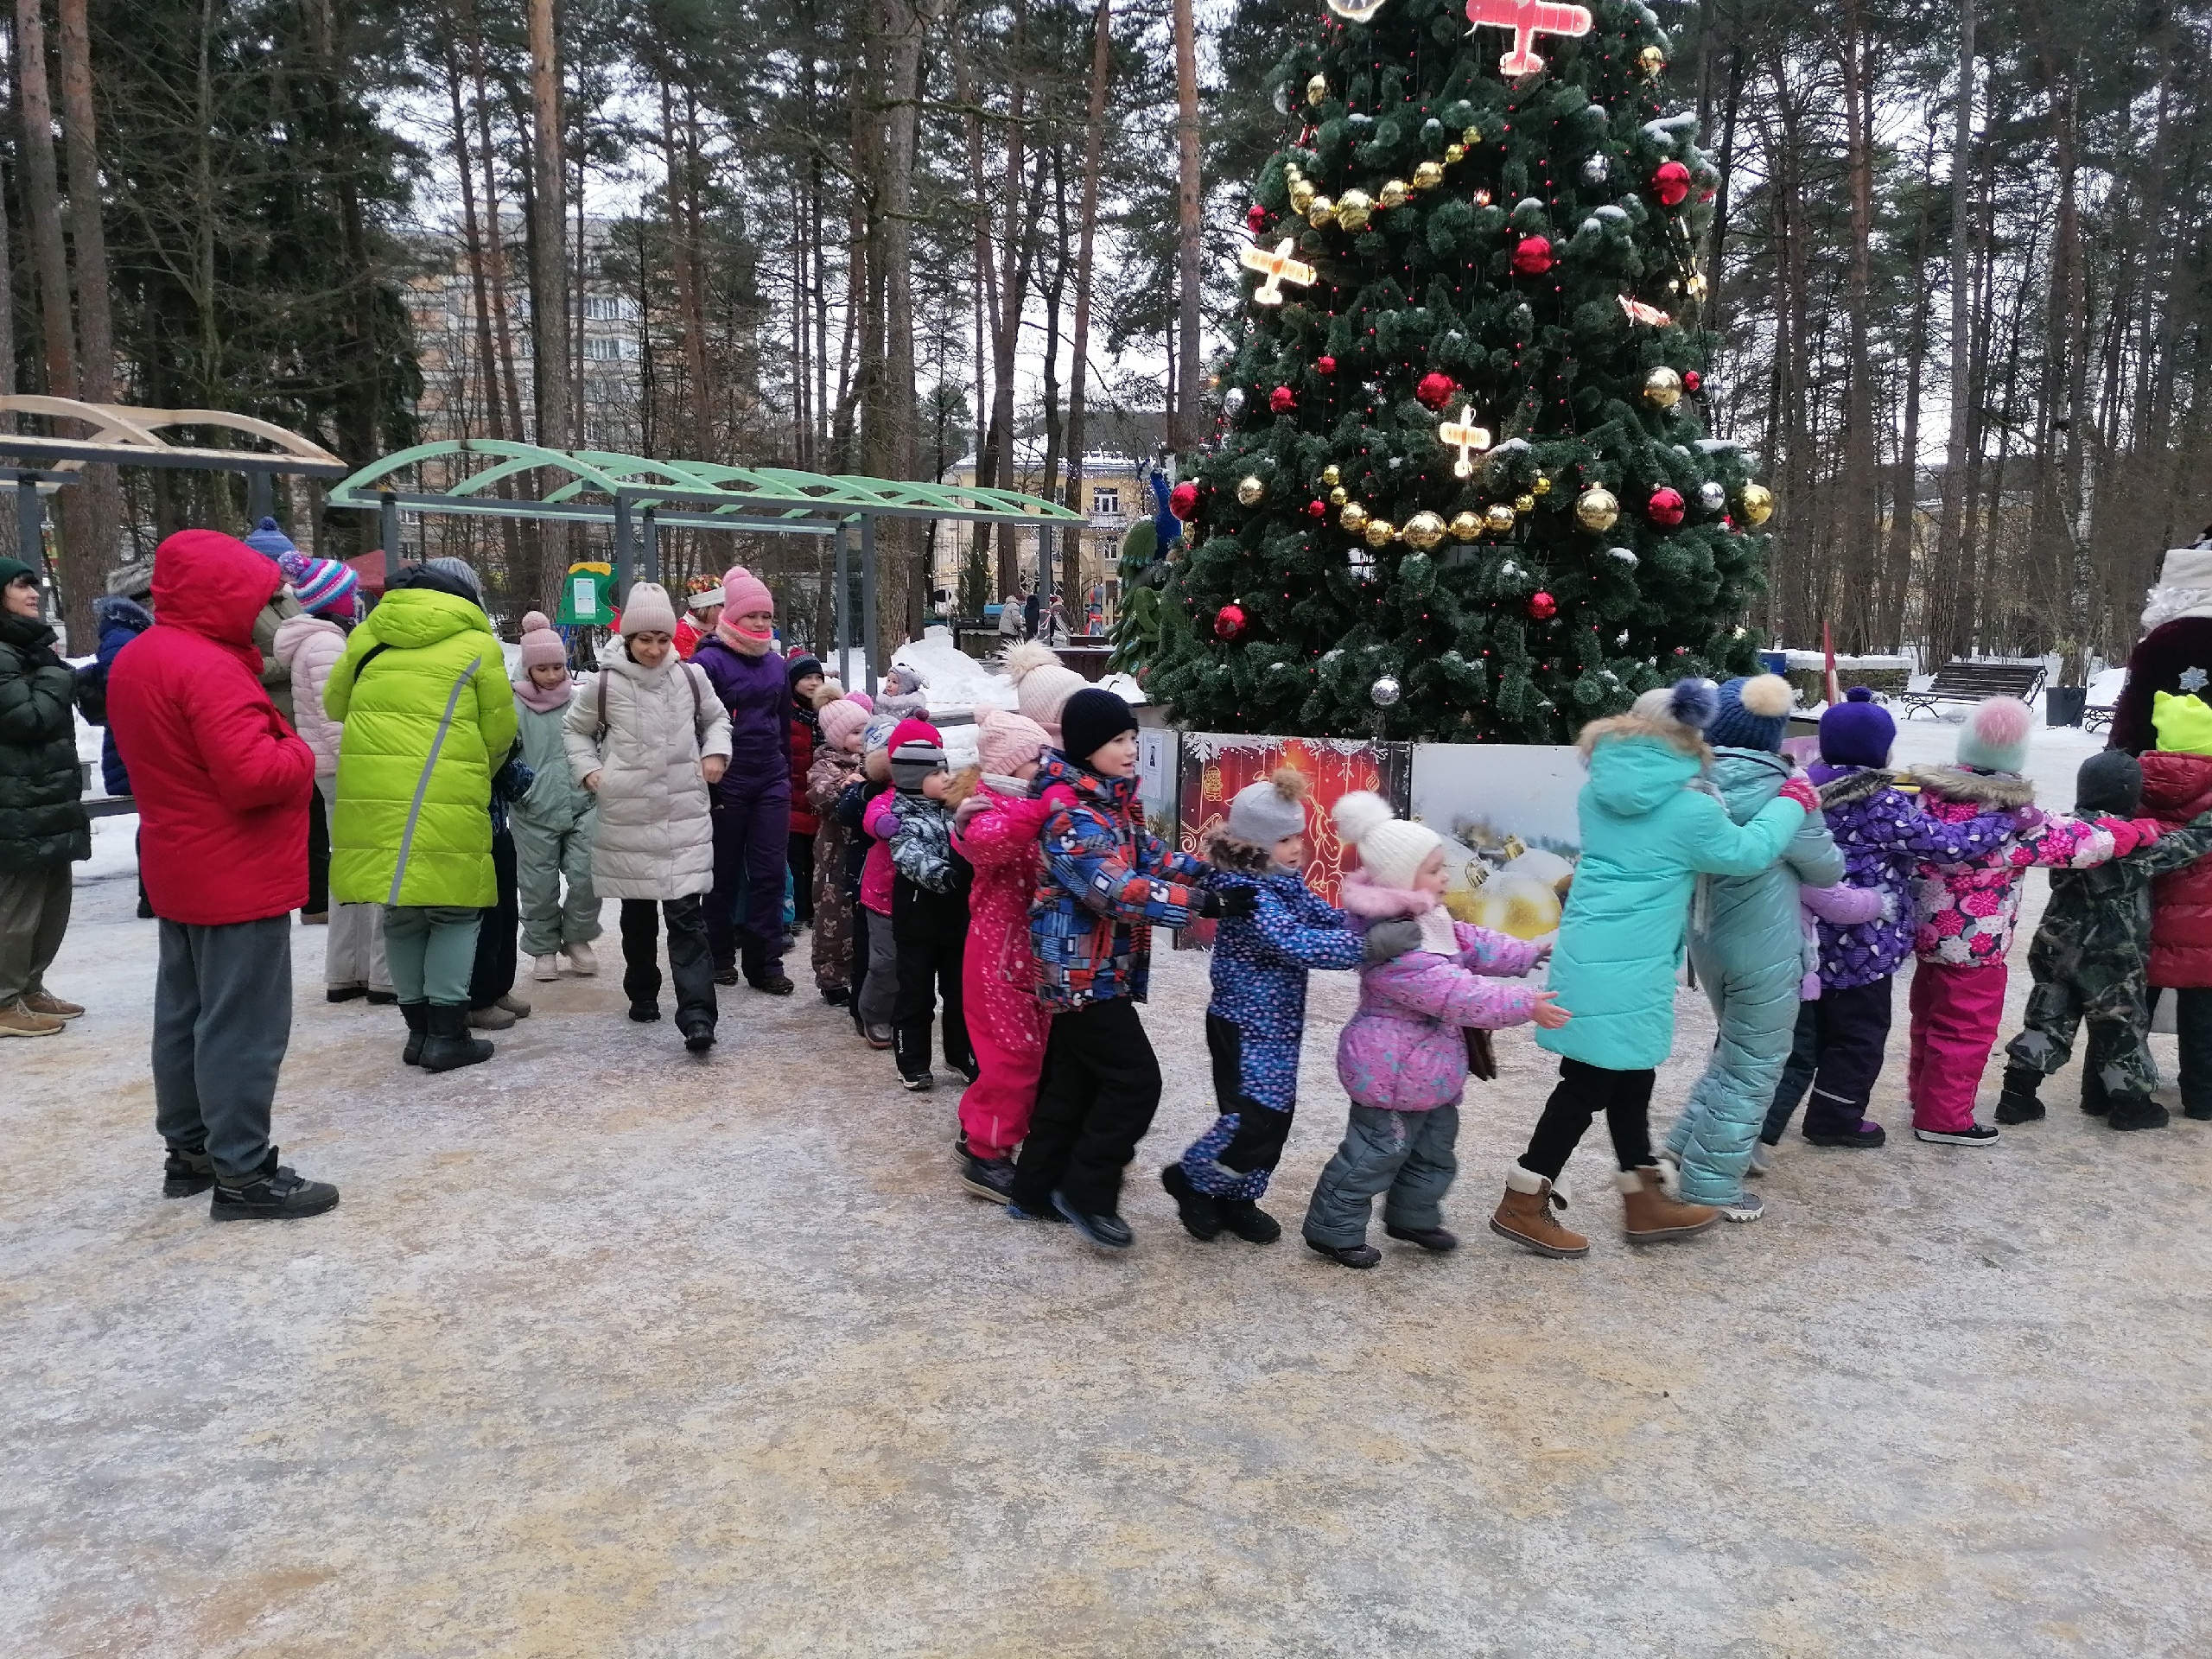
{"x":1966,"y":913}
{"x":1403,"y":1057}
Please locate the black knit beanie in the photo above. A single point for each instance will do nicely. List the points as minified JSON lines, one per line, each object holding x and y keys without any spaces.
{"x":2109,"y":784}
{"x":1092,"y":718}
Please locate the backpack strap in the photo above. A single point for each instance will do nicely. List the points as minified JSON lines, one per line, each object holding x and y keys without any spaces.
{"x":599,"y":685}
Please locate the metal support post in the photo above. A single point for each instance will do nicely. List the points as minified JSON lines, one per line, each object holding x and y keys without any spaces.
{"x":867,"y":596}
{"x":388,"y":516}
{"x":260,"y":499}
{"x":30,"y":524}
{"x":625,"y":549}
{"x":1045,"y":570}
{"x":648,"y":544}
{"x":844,"y":607}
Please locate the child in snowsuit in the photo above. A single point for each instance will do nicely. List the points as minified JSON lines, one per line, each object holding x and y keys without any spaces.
{"x":1747,"y":945}
{"x":1965,"y":912}
{"x":1839,"y":904}
{"x":1256,"y":1018}
{"x":1884,"y":835}
{"x":1649,"y":829}
{"x":1108,"y":882}
{"x":2088,"y":957}
{"x":868,"y":804}
{"x":650,"y":741}
{"x":810,"y":690}
{"x":2176,"y":789}
{"x":836,"y":763}
{"x":554,"y":821}
{"x":928,"y":904}
{"x":1403,"y":1057}
{"x":996,"y":829}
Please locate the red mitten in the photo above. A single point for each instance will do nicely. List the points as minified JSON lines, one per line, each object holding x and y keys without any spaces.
{"x":1800,"y":790}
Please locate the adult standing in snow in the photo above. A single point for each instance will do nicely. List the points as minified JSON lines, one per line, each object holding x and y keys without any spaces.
{"x":1009,"y":621}
{"x":42,"y":825}
{"x":222,"y":784}
{"x":752,"y":802}
{"x":1032,"y":612}
{"x":2175,"y":653}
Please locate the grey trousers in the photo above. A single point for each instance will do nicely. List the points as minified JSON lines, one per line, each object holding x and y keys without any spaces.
{"x":543,"y":858}
{"x":34,"y":915}
{"x":431,"y":949}
{"x":1407,"y":1156}
{"x":353,"y":954}
{"x":222,"y":1021}
{"x":879,"y":991}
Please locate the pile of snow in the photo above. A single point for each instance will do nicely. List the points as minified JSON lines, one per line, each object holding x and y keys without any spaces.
{"x":952,"y":679}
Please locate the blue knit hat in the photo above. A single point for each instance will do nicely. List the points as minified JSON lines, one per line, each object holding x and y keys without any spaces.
{"x":270,"y":542}
{"x":1754,"y":713}
{"x":1857,"y":732}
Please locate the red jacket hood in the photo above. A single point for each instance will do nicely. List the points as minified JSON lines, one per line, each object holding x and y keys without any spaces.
{"x":213,"y":584}
{"x":2176,"y":787}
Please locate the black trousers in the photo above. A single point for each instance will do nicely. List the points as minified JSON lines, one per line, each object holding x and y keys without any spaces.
{"x":1256,"y":1145}
{"x":929,"y":967}
{"x":1583,"y":1092}
{"x":318,"y":902}
{"x":1100,"y":1088}
{"x":689,"y":961}
{"x":802,"y":845}
{"x":493,"y":975}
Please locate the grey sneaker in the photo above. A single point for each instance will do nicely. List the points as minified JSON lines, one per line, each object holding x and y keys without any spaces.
{"x":1762,"y":1158}
{"x":1745,"y":1206}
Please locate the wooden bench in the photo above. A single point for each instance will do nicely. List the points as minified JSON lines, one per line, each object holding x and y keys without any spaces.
{"x":2097,"y":717}
{"x":1964,"y":682}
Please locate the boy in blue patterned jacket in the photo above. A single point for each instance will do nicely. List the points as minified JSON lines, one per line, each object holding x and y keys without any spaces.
{"x":1257,"y":1017}
{"x":1108,"y":882}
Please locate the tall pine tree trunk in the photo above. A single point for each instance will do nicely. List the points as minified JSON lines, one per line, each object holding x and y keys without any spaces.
{"x":549,"y":275}
{"x":1094,"y":139}
{"x":1949,"y":568}
{"x":1183,"y":434}
{"x":103,"y":503}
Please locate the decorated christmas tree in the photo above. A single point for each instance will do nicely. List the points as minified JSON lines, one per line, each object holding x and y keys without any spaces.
{"x":1460,"y":485}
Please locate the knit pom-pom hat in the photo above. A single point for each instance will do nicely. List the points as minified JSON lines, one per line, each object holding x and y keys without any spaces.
{"x":1042,"y":683}
{"x":1391,"y":849}
{"x":841,"y":717}
{"x":1995,"y":736}
{"x":1857,"y":732}
{"x":1753,"y":714}
{"x":1690,"y":702}
{"x":1266,"y":812}
{"x":326,"y":587}
{"x":647,"y":610}
{"x":743,"y":592}
{"x":541,"y":646}
{"x":1005,"y":741}
{"x":266,"y":539}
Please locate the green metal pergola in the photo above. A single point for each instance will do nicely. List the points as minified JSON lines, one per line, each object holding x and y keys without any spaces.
{"x":635,"y":496}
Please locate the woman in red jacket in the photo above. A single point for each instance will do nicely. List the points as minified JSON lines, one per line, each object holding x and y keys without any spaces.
{"x":222,"y":784}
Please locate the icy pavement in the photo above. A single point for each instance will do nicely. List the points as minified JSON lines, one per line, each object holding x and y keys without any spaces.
{"x":609,"y":1352}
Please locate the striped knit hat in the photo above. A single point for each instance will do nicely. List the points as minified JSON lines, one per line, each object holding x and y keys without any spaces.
{"x":326,"y":587}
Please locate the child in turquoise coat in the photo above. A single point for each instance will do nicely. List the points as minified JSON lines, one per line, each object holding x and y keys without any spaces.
{"x":1648,"y":830}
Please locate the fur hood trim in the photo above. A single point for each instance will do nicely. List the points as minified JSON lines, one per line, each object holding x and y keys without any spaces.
{"x":1363,"y":897}
{"x":1855,"y":787}
{"x":1225,"y":852}
{"x":1999,"y":792}
{"x":1686,"y":739}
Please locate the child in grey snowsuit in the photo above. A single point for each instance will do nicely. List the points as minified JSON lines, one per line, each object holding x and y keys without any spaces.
{"x":929,"y":906}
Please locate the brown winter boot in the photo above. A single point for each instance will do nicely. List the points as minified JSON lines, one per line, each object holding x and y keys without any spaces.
{"x":1651,"y":1215}
{"x":1525,"y":1215}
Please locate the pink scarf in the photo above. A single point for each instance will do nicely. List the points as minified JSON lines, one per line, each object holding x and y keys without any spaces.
{"x":749,"y":645}
{"x":536,"y":698}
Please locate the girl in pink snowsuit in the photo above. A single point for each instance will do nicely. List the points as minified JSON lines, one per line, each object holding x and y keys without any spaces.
{"x":997,"y":831}
{"x":1966,"y":913}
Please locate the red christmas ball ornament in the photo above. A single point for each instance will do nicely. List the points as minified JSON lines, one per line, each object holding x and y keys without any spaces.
{"x":1326,"y":364}
{"x":1256,"y":217}
{"x":1542,"y":606}
{"x":1228,"y":621}
{"x":1317,"y":508}
{"x":1436,"y":390}
{"x":1183,"y":501}
{"x":1665,"y":507}
{"x":1533,"y":258}
{"x":1671,"y":183}
{"x":1282,"y":400}
{"x":1693,"y":382}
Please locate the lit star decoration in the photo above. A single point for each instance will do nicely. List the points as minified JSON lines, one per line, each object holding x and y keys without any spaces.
{"x":1527,"y":19}
{"x":2193,"y":679}
{"x":1278,"y":268}
{"x":1637,"y":311}
{"x":1465,"y":436}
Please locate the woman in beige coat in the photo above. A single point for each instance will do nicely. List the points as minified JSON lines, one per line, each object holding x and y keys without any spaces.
{"x":649,"y":737}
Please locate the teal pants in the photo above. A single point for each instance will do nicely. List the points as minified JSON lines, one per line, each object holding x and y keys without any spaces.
{"x":544,"y":858}
{"x":431,"y":951}
{"x":1758,"y":1016}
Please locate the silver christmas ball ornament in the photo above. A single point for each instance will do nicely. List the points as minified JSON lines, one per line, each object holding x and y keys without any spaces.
{"x":1232,"y":402}
{"x":1596,"y":170}
{"x":1710,"y":496}
{"x":1385,"y":691}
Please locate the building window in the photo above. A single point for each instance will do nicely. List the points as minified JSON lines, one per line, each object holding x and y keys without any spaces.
{"x":609,"y":307}
{"x":605,"y":348}
{"x":1105,"y":500}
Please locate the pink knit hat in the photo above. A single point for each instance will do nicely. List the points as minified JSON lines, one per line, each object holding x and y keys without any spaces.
{"x":541,"y":646}
{"x":866,"y":701}
{"x":742,"y":591}
{"x":1005,"y":741}
{"x":840,"y":719}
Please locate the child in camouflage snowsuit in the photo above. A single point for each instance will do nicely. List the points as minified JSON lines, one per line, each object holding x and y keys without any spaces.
{"x":2088,"y":957}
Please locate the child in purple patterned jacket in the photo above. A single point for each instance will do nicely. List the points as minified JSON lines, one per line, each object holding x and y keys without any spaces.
{"x":1403,"y":1057}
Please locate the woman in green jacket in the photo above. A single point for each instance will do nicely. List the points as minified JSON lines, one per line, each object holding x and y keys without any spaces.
{"x":1649,"y":828}
{"x":428,"y":717}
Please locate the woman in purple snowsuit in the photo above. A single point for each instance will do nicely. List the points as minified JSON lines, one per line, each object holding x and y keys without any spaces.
{"x":1883,"y":836}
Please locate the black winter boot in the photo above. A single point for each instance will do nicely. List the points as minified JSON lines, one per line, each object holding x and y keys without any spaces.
{"x":2018,"y":1104}
{"x":1200,"y":1211}
{"x":448,"y":1043}
{"x":273,"y":1192}
{"x":2127,"y":1110}
{"x":1244,"y":1217}
{"x":417,"y":1016}
{"x":2095,"y":1099}
{"x":188,"y":1171}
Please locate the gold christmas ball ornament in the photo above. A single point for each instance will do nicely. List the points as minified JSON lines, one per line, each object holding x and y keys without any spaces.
{"x":1352,"y":209}
{"x":1301,"y":195}
{"x":1332,"y":477}
{"x":1317,"y":89}
{"x":1379,"y":532}
{"x":1353,"y":517}
{"x":1520,"y":503}
{"x":1597,"y":508}
{"x":1250,"y":492}
{"x":1454,"y":153}
{"x":1662,"y":388}
{"x":1429,"y":176}
{"x":1321,"y":212}
{"x":1541,"y":486}
{"x":1758,"y":504}
{"x":1424,"y":530}
{"x":1651,"y":60}
{"x":1464,"y":526}
{"x":1497,"y":518}
{"x":1393,"y":193}
{"x":1472,"y":135}
{"x":1337,"y":496}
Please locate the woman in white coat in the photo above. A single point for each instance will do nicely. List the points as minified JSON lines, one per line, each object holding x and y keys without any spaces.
{"x":649,"y":737}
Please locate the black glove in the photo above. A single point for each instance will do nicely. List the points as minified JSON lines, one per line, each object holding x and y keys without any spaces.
{"x":1391,"y":939}
{"x":1227,"y":903}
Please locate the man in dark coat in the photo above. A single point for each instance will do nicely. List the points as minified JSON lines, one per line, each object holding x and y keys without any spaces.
{"x":2175,"y":653}
{"x":43,"y":829}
